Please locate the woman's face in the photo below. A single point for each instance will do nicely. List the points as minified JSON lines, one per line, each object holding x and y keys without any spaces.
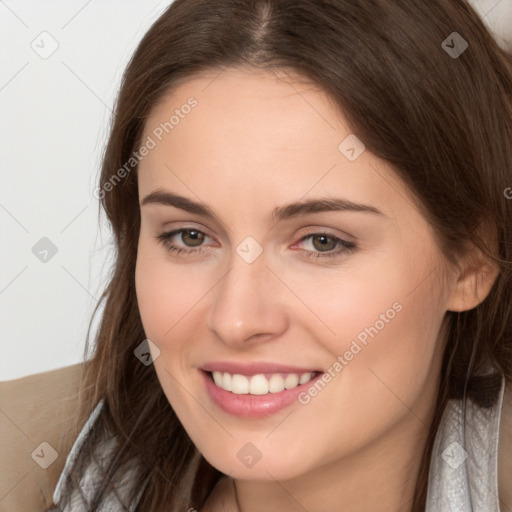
{"x":253,"y":280}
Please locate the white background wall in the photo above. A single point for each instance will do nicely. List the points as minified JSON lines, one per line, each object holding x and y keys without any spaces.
{"x":54,"y":112}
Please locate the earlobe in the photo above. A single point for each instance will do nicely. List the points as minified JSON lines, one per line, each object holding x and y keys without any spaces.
{"x":473,"y":284}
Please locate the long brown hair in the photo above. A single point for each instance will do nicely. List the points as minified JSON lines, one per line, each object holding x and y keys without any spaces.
{"x":444,"y":123}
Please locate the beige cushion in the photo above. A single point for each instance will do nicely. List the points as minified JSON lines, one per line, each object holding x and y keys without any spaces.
{"x":42,"y":407}
{"x":36,"y":409}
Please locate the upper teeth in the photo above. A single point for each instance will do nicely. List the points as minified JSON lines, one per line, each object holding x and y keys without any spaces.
{"x":259,"y":384}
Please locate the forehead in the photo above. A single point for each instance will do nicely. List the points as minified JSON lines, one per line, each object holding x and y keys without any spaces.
{"x":248,"y":107}
{"x":260,"y":136}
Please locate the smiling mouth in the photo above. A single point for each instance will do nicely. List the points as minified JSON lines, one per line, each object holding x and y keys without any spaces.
{"x":259,"y":384}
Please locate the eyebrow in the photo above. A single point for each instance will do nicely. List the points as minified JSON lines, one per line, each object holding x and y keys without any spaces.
{"x":280,"y":213}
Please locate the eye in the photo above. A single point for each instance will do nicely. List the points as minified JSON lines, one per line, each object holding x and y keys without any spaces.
{"x":329,"y":245}
{"x":326,"y":245}
{"x":190,"y":236}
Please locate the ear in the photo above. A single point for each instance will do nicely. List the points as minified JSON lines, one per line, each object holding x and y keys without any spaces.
{"x":471,"y":282}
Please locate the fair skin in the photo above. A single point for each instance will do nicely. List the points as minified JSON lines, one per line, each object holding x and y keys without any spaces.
{"x":255,"y":142}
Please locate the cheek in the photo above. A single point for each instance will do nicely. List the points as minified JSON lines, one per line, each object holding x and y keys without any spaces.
{"x":340,"y":303}
{"x":389,"y":339}
{"x":166,"y":295}
{"x":382,"y":317}
{"x":166,"y":292}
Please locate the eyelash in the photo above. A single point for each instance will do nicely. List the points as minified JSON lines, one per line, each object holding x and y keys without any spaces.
{"x":346,"y":246}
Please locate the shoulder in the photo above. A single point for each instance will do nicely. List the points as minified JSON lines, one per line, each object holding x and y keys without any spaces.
{"x":38,"y":420}
{"x":505,"y":451}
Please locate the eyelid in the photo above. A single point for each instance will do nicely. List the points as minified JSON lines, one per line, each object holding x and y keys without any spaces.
{"x":313,"y":230}
{"x":176,"y":227}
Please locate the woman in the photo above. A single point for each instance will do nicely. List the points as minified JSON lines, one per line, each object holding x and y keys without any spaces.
{"x":313,"y":285}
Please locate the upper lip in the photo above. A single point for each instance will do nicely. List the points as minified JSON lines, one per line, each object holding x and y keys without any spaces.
{"x":254,"y":368}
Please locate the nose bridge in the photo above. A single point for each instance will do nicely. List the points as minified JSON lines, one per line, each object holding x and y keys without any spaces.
{"x":246,"y":301}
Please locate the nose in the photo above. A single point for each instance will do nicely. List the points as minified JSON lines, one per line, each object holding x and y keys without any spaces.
{"x":248,"y":304}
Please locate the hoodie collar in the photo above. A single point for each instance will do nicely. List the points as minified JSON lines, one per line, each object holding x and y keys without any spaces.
{"x":463,"y":475}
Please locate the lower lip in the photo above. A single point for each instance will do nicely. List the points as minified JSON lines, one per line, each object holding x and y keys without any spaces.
{"x":253,"y":406}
